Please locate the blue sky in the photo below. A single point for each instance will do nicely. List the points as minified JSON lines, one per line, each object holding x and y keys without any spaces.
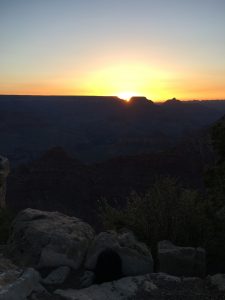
{"x":157,"y":48}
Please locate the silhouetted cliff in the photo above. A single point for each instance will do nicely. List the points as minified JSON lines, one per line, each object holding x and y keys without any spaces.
{"x":97,"y":128}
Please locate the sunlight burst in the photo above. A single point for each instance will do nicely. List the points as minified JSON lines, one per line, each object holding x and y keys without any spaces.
{"x":126,"y":95}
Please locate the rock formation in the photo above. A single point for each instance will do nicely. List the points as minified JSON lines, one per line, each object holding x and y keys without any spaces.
{"x":49,"y":239}
{"x":135,"y":256}
{"x":155,"y":286}
{"x":54,"y":250}
{"x":181,"y":261}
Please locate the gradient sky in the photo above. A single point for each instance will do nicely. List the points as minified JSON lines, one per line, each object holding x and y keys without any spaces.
{"x":157,"y":48}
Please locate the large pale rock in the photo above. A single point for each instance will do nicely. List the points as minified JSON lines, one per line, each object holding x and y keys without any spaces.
{"x":8,"y":277}
{"x":4,"y":172}
{"x":6,"y":264}
{"x":135,"y":256}
{"x":218,"y":280}
{"x":181,"y":261}
{"x":120,"y":290}
{"x":8,"y":272}
{"x":155,"y":286}
{"x":49,"y":239}
{"x":20,"y":286}
{"x":57,"y":276}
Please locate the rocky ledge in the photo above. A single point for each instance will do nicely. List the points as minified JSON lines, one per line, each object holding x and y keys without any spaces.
{"x":54,"y":256}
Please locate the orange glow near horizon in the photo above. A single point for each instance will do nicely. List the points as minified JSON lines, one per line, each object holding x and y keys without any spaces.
{"x":126,"y":80}
{"x":123,"y":80}
{"x":158,"y":91}
{"x":157,"y":97}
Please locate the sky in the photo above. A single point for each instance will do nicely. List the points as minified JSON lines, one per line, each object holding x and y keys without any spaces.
{"x":156,"y":48}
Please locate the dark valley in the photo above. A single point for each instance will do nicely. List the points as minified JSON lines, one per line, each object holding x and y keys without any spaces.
{"x":94,"y":129}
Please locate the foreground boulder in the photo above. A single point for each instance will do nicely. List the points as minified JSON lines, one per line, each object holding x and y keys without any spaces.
{"x":6,"y":264}
{"x":16,"y":284}
{"x":135,"y":257}
{"x":57,"y":276}
{"x":9,"y":272}
{"x":181,"y":261}
{"x":4,"y":172}
{"x":218,"y":281}
{"x":121,"y":289}
{"x":155,"y":286}
{"x":49,"y":239}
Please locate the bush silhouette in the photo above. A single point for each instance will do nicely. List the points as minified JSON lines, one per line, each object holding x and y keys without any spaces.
{"x":166,"y":211}
{"x":6,"y":218}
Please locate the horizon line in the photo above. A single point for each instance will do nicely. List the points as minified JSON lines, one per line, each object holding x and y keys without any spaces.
{"x":108,"y":96}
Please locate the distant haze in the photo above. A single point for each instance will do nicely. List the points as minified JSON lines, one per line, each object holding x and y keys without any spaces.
{"x":97,"y":128}
{"x":156,"y":48}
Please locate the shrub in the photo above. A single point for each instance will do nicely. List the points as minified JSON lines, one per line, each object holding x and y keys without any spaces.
{"x":166,"y":211}
{"x":6,"y":218}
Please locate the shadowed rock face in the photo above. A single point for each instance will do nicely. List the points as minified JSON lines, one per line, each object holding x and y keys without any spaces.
{"x":108,"y":267}
{"x":4,"y":171}
{"x":181,"y":261}
{"x":136,"y":258}
{"x":155,"y":286}
{"x":140,"y":101}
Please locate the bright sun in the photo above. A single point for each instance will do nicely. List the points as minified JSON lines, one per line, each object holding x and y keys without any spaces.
{"x":126,"y":95}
